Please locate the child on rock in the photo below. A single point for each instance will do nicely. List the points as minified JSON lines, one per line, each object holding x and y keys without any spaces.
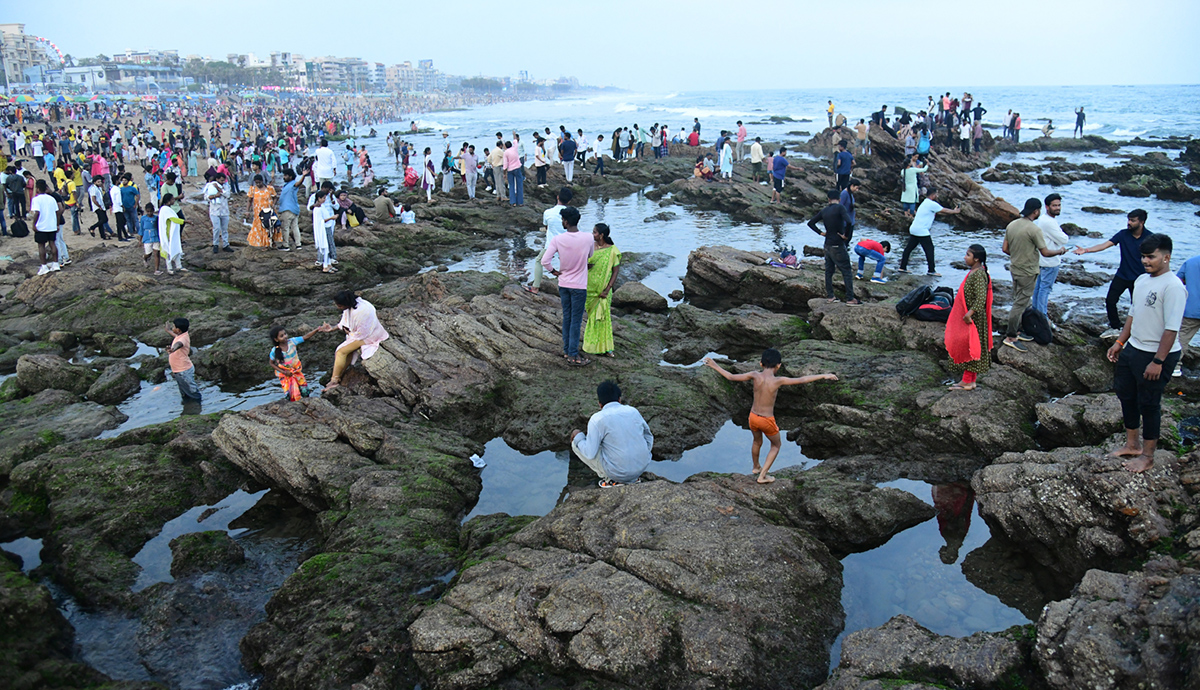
{"x":150,"y":245}
{"x":286,"y":361}
{"x":762,"y":413}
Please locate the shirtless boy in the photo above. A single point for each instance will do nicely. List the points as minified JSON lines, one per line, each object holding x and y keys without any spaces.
{"x":762,"y":413}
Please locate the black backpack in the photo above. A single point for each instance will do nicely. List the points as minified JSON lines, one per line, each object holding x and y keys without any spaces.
{"x":909,"y":303}
{"x":938,"y":307}
{"x":1035,"y":324}
{"x":18,"y":228}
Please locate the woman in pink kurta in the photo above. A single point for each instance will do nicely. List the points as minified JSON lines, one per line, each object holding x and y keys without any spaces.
{"x":363,"y":332}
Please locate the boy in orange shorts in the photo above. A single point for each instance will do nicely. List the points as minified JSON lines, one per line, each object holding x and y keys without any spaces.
{"x":762,"y":413}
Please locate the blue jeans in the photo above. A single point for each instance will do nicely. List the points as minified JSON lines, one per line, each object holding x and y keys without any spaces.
{"x":864,"y":254}
{"x":1041,"y":290}
{"x":188,"y":389}
{"x":573,"y":300}
{"x":516,"y":186}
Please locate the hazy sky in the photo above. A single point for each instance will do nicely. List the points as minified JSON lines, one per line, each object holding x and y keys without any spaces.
{"x":673,"y":44}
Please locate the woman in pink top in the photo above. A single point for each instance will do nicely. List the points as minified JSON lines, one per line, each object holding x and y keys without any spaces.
{"x":363,"y":332}
{"x":573,"y":249}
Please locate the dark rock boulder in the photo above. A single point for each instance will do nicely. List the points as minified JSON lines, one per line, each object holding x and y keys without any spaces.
{"x":905,"y":653}
{"x":1078,"y":420}
{"x":36,"y":373}
{"x":656,"y":585}
{"x":115,"y":345}
{"x":12,"y":354}
{"x":115,"y":384}
{"x":634,"y":295}
{"x":1075,"y":508}
{"x":740,"y":332}
{"x":200,"y":552}
{"x":1071,"y":363}
{"x":1132,"y":630}
{"x":1102,"y":210}
{"x":35,"y":424}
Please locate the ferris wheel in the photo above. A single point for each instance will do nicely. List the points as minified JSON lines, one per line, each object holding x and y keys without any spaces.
{"x":52,"y":51}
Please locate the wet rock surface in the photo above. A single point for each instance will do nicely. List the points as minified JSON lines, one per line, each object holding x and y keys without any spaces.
{"x":204,"y":551}
{"x":34,"y":424}
{"x":651,"y":585}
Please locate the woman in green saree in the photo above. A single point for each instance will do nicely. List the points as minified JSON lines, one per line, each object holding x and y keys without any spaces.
{"x":603,"y":266}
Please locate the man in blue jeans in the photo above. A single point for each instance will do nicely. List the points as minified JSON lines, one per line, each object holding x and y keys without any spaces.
{"x":515,"y":172}
{"x":1056,"y":239}
{"x":573,"y":249}
{"x":870,"y":249}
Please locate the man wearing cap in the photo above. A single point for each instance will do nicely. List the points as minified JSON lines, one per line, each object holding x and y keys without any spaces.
{"x":1024,"y":244}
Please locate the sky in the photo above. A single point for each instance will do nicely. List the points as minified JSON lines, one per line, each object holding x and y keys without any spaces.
{"x":674,"y":45}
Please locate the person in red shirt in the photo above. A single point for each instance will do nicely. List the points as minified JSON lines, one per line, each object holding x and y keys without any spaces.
{"x":870,"y":249}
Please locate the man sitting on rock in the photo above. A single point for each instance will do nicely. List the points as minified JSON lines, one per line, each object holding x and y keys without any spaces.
{"x":618,"y":441}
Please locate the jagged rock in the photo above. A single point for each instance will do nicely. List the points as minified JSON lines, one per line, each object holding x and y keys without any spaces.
{"x":36,"y":373}
{"x":1078,"y":420}
{"x":1054,"y":180}
{"x":36,"y":639}
{"x":1069,"y":364}
{"x":741,"y":332}
{"x":1102,"y":210}
{"x":1123,"y":631}
{"x":1075,"y":508}
{"x":99,"y":502}
{"x":200,"y":552}
{"x":115,"y":345}
{"x":63,"y":339}
{"x":36,"y":424}
{"x":903,"y":651}
{"x":1073,"y":230}
{"x":656,"y":585}
{"x":1131,"y":189}
{"x":10,"y":356}
{"x":634,"y":295}
{"x":1077,"y":275}
{"x":876,"y":325}
{"x":881,"y":391}
{"x":1176,"y":190}
{"x":115,"y":384}
{"x":396,"y":494}
{"x":661,"y":215}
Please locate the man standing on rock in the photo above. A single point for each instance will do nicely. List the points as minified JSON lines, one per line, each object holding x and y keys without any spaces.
{"x":552,"y":222}
{"x":779,"y":168}
{"x":1023,"y":242}
{"x":1080,"y":118}
{"x":756,"y":158}
{"x":919,"y":231}
{"x":325,"y":166}
{"x":1147,"y":347}
{"x":573,"y":249}
{"x":741,"y":142}
{"x":838,"y":230}
{"x":1056,"y":240}
{"x":618,"y":441}
{"x":216,"y":193}
{"x":1130,"y":241}
{"x":844,"y":164}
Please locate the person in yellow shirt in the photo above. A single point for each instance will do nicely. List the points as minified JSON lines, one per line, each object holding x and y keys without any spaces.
{"x":67,"y":190}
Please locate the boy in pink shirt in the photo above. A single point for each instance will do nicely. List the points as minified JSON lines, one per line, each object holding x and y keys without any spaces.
{"x":573,"y":249}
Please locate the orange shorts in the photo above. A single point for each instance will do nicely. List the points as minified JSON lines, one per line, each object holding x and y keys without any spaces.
{"x":766,"y":425}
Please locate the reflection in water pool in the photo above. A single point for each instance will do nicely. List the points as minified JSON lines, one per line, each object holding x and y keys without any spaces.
{"x":29,"y":550}
{"x":910,"y":574}
{"x":155,"y":556}
{"x":156,"y":403}
{"x":918,"y":572}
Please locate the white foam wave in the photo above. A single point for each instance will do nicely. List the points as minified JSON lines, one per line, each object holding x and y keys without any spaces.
{"x":432,"y":124}
{"x":700,"y":112}
{"x":1129,"y":132}
{"x":625,"y":108}
{"x":1092,"y":127}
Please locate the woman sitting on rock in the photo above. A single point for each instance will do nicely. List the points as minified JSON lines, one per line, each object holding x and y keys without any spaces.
{"x":969,"y":327}
{"x":702,"y":170}
{"x":344,"y":209}
{"x":363,"y":332}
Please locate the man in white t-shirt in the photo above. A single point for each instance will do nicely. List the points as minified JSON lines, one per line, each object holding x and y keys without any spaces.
{"x":919,"y":231}
{"x":1056,"y":240}
{"x":1147,"y":351}
{"x":552,"y":223}
{"x":325,"y":166}
{"x":45,"y":227}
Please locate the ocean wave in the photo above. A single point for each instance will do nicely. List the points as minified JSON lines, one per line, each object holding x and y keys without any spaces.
{"x":1129,"y":132}
{"x":700,"y":112}
{"x":625,"y":108}
{"x":432,"y":124}
{"x":1093,"y":127}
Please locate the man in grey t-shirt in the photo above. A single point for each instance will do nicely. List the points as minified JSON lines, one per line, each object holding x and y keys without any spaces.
{"x":618,"y":441}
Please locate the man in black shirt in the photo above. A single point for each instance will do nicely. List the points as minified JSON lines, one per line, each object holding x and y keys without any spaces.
{"x":837,"y":233}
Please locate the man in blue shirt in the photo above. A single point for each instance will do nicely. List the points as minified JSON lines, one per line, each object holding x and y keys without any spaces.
{"x":1189,"y":273}
{"x":845,"y":163}
{"x":1130,"y":242}
{"x":289,"y":211}
{"x":618,"y":441}
{"x":779,"y":168}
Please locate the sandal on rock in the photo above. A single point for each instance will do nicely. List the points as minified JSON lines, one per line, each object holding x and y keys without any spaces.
{"x":530,"y":289}
{"x":579,"y":361}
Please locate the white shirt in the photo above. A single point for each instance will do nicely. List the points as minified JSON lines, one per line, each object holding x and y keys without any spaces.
{"x":553,"y":221}
{"x":97,"y":197}
{"x":326,"y":163}
{"x":114,"y":193}
{"x":1158,"y":304}
{"x":756,"y":152}
{"x":621,"y":439}
{"x":923,"y":219}
{"x":47,"y":209}
{"x":1055,"y":238}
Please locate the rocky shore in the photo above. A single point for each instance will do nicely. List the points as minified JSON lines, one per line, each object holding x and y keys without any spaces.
{"x":712,"y":582}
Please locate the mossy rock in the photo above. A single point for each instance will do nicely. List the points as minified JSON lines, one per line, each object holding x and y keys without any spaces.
{"x":204,"y":551}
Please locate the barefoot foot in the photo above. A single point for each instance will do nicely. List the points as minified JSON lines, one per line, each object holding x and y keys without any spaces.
{"x":1126,"y":452}
{"x":1140,"y":464}
{"x":767,"y":479}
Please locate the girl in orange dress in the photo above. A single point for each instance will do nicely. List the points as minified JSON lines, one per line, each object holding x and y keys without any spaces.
{"x":262,"y":197}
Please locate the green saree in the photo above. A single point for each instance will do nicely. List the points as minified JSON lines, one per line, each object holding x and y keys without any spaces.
{"x":597,"y":327}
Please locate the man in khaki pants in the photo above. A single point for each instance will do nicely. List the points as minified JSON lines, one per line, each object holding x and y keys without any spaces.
{"x":289,"y":211}
{"x":1189,"y":273}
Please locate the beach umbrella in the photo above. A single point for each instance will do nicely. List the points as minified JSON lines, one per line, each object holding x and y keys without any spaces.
{"x":23,"y":98}
{"x":82,"y":99}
